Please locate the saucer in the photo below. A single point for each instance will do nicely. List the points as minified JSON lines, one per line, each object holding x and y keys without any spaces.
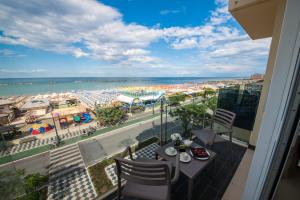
{"x":169,"y":152}
{"x":186,"y":158}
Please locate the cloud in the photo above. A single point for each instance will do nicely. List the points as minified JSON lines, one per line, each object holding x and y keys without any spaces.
{"x":21,"y":71}
{"x":221,"y":2}
{"x":241,"y":47}
{"x":9,"y":53}
{"x":81,"y":28}
{"x":222,"y":45}
{"x":186,"y":43}
{"x":91,"y":29}
{"x":226,"y":68}
{"x":166,"y":12}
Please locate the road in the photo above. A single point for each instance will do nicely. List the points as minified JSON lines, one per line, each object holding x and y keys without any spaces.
{"x":34,"y":164}
{"x":97,"y":148}
{"x":114,"y":142}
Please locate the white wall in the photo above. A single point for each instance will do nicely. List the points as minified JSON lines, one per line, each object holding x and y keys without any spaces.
{"x":277,"y":100}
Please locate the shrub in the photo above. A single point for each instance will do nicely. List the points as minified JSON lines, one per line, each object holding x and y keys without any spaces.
{"x":212,"y":103}
{"x":209,"y":92}
{"x":187,"y":114}
{"x":174,"y":100}
{"x":32,"y":186}
{"x":110,"y":116}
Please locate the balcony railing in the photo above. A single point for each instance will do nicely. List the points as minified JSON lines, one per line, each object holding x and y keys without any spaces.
{"x":93,"y":152}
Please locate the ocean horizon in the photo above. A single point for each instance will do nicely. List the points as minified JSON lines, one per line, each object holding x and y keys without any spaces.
{"x":32,"y":86}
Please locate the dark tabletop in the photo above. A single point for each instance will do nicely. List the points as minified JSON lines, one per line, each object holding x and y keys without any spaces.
{"x":190,"y":169}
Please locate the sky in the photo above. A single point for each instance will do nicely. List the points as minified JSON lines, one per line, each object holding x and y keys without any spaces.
{"x":120,"y":38}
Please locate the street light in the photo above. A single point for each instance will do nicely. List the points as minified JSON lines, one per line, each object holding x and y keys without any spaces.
{"x":166,"y":122}
{"x":57,"y":137}
{"x":153,"y":103}
{"x":161,"y":121}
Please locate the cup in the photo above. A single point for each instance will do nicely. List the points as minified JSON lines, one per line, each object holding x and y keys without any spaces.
{"x":188,"y":143}
{"x":172,"y":149}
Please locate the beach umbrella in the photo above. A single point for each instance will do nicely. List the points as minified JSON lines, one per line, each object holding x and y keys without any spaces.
{"x":77,"y":118}
{"x":35,"y":132}
{"x":42,"y":130}
{"x":34,"y":126}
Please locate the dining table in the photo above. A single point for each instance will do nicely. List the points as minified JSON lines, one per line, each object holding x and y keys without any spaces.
{"x":190,"y":169}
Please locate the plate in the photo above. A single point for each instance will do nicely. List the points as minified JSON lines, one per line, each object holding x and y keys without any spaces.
{"x":206,"y":158}
{"x":169,"y":152}
{"x":186,"y":158}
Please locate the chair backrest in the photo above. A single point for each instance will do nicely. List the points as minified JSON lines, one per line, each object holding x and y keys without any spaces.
{"x":145,"y":173}
{"x":224,"y":118}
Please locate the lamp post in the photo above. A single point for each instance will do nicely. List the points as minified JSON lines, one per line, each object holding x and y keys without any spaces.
{"x":161,"y":121}
{"x":57,"y":137}
{"x":153,"y":102}
{"x":166,"y":122}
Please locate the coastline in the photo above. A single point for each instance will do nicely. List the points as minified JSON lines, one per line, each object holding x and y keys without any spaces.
{"x":44,"y":86}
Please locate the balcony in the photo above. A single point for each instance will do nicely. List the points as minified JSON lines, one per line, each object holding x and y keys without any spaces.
{"x":86,"y":158}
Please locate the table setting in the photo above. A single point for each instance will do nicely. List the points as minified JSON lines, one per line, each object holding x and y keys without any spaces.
{"x":193,"y":157}
{"x":187,"y":149}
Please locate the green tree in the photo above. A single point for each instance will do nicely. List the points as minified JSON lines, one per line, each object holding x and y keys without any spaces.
{"x":212,"y":103}
{"x":14,"y":184}
{"x":199,"y":94}
{"x":188,"y":115}
{"x":209,"y":92}
{"x":110,"y":116}
{"x":11,"y":183}
{"x":32,"y":186}
{"x":175,"y":99}
{"x":197,"y":112}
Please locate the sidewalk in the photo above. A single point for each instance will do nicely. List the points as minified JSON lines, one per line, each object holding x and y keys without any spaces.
{"x":17,"y":152}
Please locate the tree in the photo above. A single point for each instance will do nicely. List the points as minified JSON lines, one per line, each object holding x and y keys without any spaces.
{"x":175,"y":99}
{"x":209,"y":92}
{"x":110,"y":116}
{"x":32,"y":185}
{"x":11,"y":183}
{"x":199,"y":94}
{"x":14,"y":184}
{"x":212,"y":103}
{"x":137,"y":108}
{"x":197,"y":112}
{"x":188,"y":114}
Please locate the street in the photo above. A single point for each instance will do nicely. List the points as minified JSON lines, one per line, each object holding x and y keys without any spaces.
{"x":35,"y":164}
{"x":97,"y":148}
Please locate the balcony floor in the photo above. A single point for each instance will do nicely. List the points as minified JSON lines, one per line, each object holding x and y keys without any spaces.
{"x":212,"y":183}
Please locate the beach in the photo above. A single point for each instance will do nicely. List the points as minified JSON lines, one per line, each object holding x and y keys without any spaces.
{"x":35,"y":113}
{"x":35,"y":86}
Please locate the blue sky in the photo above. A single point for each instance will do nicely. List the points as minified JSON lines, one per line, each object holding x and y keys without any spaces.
{"x":69,"y":38}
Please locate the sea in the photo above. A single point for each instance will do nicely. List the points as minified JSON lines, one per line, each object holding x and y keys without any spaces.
{"x":33,"y":86}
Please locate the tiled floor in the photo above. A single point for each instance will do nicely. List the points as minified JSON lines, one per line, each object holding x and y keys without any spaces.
{"x":212,"y":183}
{"x":237,"y":185}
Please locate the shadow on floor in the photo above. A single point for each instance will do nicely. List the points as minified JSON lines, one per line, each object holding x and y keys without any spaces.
{"x":211,"y":184}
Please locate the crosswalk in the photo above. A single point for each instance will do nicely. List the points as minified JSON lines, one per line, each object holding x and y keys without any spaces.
{"x":39,"y":142}
{"x":68,"y":176}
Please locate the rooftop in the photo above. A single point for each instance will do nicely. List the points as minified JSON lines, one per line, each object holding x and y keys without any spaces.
{"x":35,"y":104}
